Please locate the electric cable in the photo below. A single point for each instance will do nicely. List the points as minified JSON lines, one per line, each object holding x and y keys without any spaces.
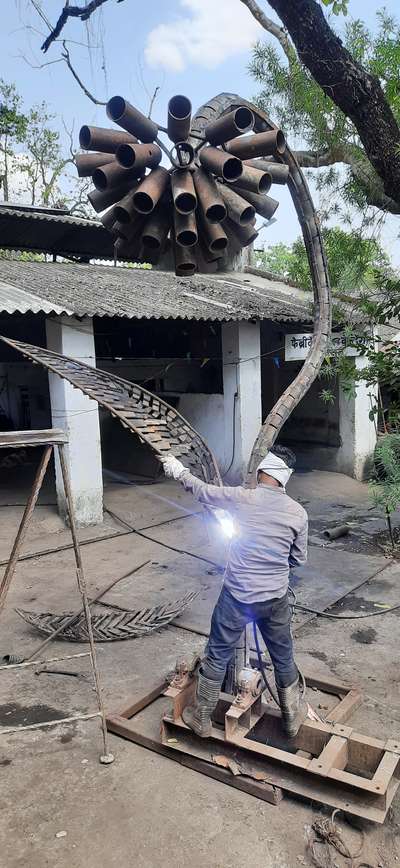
{"x":262,"y":666}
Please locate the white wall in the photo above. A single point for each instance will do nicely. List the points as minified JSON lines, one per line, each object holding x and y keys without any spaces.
{"x":76,"y":414}
{"x":242,"y":378}
{"x":206,"y":414}
{"x":357,"y":431}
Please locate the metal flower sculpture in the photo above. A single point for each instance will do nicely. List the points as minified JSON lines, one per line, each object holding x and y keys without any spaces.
{"x":205,"y":201}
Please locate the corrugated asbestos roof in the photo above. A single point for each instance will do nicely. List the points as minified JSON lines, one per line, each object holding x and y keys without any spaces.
{"x":100,"y":290}
{"x":45,"y":232}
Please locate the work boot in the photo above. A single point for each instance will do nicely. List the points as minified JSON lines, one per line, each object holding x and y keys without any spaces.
{"x":198,"y":716}
{"x":294,"y":707}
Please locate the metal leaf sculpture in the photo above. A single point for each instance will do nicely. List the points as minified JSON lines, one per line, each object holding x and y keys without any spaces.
{"x":153,"y":420}
{"x":205,"y":202}
{"x":111,"y":626}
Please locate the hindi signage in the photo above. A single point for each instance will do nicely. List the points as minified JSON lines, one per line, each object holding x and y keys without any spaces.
{"x":298,"y":345}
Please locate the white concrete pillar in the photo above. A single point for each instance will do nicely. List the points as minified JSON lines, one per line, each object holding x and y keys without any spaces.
{"x":242,"y":394}
{"x":76,"y":414}
{"x":357,"y":430}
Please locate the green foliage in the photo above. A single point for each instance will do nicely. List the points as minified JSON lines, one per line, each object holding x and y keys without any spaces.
{"x":339,"y":7}
{"x":32,"y":159}
{"x":385,"y":488}
{"x":289,"y":92}
{"x":353,"y":260}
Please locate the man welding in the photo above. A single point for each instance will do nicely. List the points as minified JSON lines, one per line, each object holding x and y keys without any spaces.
{"x":270,"y":537}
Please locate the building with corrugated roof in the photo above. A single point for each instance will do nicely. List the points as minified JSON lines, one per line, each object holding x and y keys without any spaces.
{"x":220,"y":347}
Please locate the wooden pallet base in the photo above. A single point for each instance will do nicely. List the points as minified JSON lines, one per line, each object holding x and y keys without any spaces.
{"x":248,"y":742}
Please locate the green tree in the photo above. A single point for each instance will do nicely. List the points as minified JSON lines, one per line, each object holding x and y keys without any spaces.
{"x":33,"y":160}
{"x":353,"y":260}
{"x":290,"y":92}
{"x":13,"y":125}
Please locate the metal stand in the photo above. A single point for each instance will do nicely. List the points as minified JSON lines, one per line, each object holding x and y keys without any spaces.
{"x":52,"y":440}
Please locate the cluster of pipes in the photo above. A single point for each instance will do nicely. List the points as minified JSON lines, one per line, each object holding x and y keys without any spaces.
{"x":206,"y":201}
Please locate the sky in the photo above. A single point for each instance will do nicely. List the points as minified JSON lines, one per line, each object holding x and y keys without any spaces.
{"x":195,"y":47}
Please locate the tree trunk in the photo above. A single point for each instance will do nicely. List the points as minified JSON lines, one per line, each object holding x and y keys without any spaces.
{"x":354,"y":90}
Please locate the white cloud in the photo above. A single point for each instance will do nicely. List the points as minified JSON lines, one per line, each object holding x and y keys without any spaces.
{"x":211,"y":32}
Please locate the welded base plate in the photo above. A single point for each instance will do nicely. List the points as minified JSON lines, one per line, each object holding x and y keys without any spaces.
{"x":329,"y":763}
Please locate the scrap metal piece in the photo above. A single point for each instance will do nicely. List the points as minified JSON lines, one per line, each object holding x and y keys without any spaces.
{"x":113,"y":626}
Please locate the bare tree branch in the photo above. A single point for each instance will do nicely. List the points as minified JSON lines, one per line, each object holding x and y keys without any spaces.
{"x":271,"y":27}
{"x":82,"y":12}
{"x":66,"y":57}
{"x":362,"y":170}
{"x":153,"y":99}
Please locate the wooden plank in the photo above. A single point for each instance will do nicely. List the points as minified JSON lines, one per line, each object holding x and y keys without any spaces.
{"x":44,"y":437}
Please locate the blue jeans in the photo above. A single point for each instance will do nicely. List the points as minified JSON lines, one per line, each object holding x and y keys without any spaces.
{"x":229,"y":619}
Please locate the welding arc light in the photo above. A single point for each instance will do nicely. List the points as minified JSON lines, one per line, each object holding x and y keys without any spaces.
{"x":225,"y":522}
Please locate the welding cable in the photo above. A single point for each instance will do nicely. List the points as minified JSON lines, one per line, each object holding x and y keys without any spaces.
{"x":345,"y":617}
{"x":296,"y":605}
{"x":116,"y":517}
{"x":262,"y":666}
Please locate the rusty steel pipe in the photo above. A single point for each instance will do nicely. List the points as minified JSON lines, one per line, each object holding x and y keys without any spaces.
{"x":208,"y":255}
{"x":264,"y":205}
{"x":179,"y":118}
{"x":112,"y":175}
{"x":215,"y":237}
{"x":185,"y":229}
{"x":229,"y":126}
{"x":87,"y":163}
{"x":101,"y":200}
{"x":139,"y":156}
{"x":279,"y":171}
{"x":156,"y":228}
{"x":239,"y":209}
{"x":254,"y":180}
{"x":185,"y":260}
{"x":104,"y":140}
{"x":131,"y":230}
{"x":109,"y":220}
{"x":248,"y":147}
{"x":127,"y":249}
{"x":125,"y":210}
{"x":224,"y":165}
{"x":183,"y":192}
{"x":131,"y":119}
{"x":150,"y":190}
{"x":211,"y":204}
{"x":242,"y":235}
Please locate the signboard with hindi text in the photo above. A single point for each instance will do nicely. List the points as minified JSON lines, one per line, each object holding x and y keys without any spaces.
{"x":298,"y":345}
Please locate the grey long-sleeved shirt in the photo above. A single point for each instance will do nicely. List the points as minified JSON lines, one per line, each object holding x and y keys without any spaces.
{"x":270,"y":536}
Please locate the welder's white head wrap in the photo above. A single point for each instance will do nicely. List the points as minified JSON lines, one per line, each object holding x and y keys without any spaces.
{"x":275,"y":467}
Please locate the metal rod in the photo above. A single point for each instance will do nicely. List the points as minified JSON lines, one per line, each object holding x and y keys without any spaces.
{"x":26,"y":663}
{"x":25,"y":521}
{"x":106,"y":756}
{"x":12,"y":729}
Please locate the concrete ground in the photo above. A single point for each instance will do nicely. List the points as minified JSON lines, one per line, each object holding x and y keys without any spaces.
{"x":145,"y":810}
